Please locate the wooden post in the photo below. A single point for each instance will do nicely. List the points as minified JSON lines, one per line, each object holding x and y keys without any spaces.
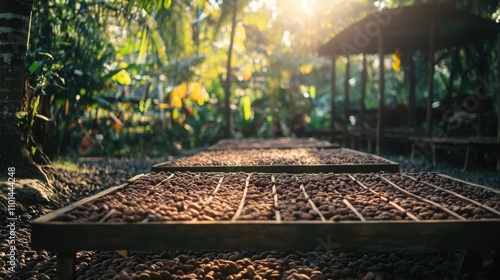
{"x":333,"y":85}
{"x":412,"y":81}
{"x":66,"y":265}
{"x":346,"y":98}
{"x":362,"y":106}
{"x":481,"y":92}
{"x":430,"y":85}
{"x":381,"y":92}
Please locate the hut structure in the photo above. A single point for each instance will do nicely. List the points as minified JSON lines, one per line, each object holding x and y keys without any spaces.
{"x":428,"y":27}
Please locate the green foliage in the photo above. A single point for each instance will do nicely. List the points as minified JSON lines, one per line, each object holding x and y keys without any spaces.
{"x":22,"y":117}
{"x":92,"y":60}
{"x":123,"y":78}
{"x":65,"y":164}
{"x":144,"y":105}
{"x":246,"y":106}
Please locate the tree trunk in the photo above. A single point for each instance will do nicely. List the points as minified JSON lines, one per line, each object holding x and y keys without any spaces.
{"x":228,"y":125}
{"x":15,"y":18}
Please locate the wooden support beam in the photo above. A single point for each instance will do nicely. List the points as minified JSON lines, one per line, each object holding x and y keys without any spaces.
{"x":333,"y":85}
{"x":381,"y":93}
{"x":481,"y":90}
{"x":430,"y":86}
{"x":346,"y":97}
{"x":362,"y":106}
{"x":412,"y":100}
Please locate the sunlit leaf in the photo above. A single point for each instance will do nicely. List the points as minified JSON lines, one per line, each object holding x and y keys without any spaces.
{"x":240,"y":34}
{"x":247,"y":74}
{"x":163,"y":105}
{"x":42,"y":117}
{"x":122,"y":77}
{"x":396,"y":61}
{"x":306,"y":68}
{"x":175,"y":114}
{"x":176,"y":101}
{"x":35,"y":66}
{"x":395,"y":58}
{"x":396,"y":67}
{"x":246,"y":104}
{"x":144,"y":105}
{"x":144,"y":47}
{"x":221,"y":70}
{"x":180,"y":90}
{"x":312,"y":92}
{"x":215,"y":13}
{"x":122,"y":65}
{"x":156,"y":39}
{"x":46,"y":54}
{"x":198,"y":93}
{"x":35,"y":105}
{"x":22,"y":115}
{"x":195,"y":89}
{"x":167,"y":3}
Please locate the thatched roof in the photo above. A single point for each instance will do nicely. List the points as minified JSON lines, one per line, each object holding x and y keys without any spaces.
{"x":408,"y":28}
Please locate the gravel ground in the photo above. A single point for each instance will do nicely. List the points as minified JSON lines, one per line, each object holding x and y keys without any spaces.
{"x":96,"y":174}
{"x":92,"y":176}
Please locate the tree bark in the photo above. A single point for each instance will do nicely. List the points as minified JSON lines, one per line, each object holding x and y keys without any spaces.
{"x":228,"y":125}
{"x":15,"y":18}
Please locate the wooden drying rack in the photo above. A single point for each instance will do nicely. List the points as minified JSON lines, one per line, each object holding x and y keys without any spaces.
{"x":67,"y":238}
{"x":384,"y":165}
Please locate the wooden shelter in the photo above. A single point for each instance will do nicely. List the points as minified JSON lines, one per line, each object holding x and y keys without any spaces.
{"x":427,"y":27}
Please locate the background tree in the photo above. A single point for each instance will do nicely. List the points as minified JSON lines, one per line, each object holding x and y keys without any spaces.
{"x":163,"y":68}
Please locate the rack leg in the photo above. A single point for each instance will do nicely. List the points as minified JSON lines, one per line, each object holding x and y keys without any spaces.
{"x":495,"y":274}
{"x":412,"y":155}
{"x":467,"y":155}
{"x":498,"y":159}
{"x":433,"y":155}
{"x":66,"y":265}
{"x":471,"y":266}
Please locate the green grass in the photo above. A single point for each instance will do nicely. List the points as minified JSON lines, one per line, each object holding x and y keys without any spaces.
{"x":65,"y":164}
